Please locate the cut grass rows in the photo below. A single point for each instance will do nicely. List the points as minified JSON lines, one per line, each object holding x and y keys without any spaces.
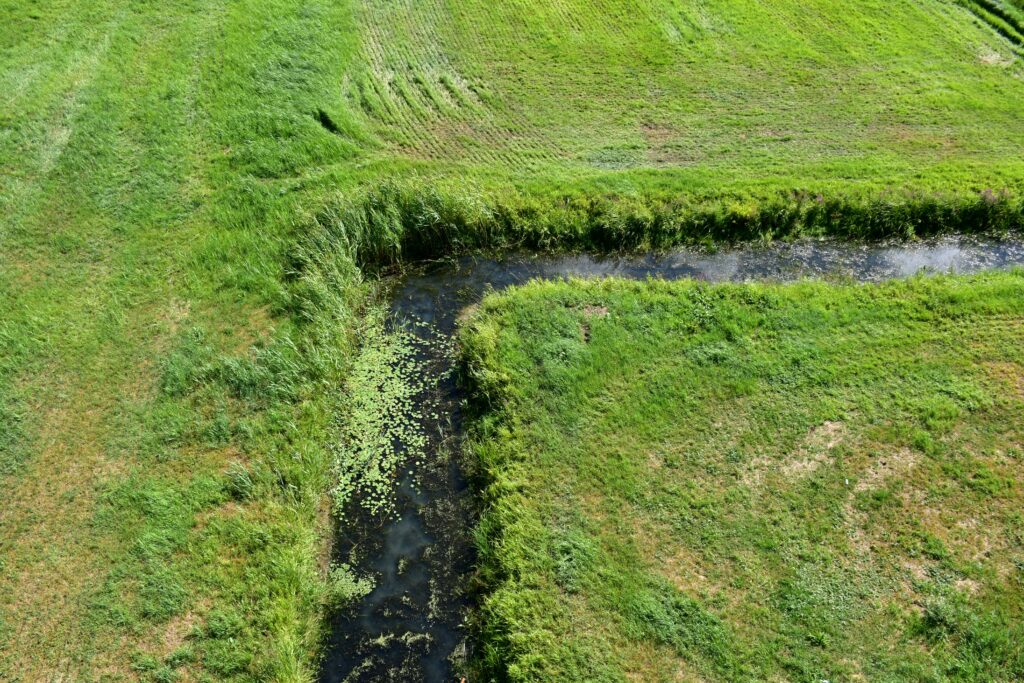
{"x":1005,"y":19}
{"x":565,"y":77}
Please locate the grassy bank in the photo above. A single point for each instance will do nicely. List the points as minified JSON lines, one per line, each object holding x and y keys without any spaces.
{"x":751,"y":482}
{"x":584,"y":125}
{"x":405,"y":221}
{"x":170,"y":346}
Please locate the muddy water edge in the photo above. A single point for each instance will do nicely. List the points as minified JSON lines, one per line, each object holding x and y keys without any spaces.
{"x":419,"y":553}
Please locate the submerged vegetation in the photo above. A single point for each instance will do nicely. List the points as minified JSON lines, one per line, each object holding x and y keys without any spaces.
{"x":749,"y":482}
{"x":192,"y":195}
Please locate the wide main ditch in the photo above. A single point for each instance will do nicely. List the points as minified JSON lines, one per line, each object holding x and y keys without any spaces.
{"x":412,"y":625}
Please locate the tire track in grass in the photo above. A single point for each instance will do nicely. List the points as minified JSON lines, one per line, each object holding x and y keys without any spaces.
{"x":517,"y":84}
{"x":1001,"y":20}
{"x":431,"y":97}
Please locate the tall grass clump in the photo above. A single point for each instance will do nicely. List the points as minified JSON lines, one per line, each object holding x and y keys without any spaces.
{"x":397,"y":221}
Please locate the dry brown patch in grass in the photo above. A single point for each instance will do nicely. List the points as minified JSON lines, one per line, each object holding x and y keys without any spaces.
{"x":232,"y":335}
{"x":860,"y":543}
{"x":663,"y":145}
{"x":935,"y":521}
{"x":684,"y":570}
{"x":221,"y":512}
{"x":176,"y":313}
{"x":179,"y":628}
{"x":916,"y":569}
{"x":194,"y":459}
{"x":918,"y":138}
{"x":815,"y":450}
{"x":804,"y":460}
{"x":260,"y":319}
{"x":588,"y":313}
{"x":166,"y":639}
{"x":886,"y":467}
{"x":826,"y":436}
{"x":977,"y":540}
{"x":854,"y":665}
{"x":864,"y":547}
{"x":592,"y":506}
{"x":655,"y":460}
{"x":21,"y":273}
{"x":51,"y":555}
{"x":657,"y":134}
{"x":258,"y":326}
{"x":649,"y":662}
{"x":681,"y":566}
{"x":55,"y":558}
{"x":990,"y":57}
{"x":1009,"y":375}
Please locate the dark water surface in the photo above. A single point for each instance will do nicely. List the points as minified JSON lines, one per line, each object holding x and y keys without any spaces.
{"x":412,"y":626}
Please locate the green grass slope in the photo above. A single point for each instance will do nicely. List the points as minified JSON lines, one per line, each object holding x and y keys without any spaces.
{"x":718,"y":96}
{"x":752,"y":482}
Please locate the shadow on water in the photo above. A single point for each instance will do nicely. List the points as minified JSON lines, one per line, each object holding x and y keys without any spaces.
{"x":412,"y":626}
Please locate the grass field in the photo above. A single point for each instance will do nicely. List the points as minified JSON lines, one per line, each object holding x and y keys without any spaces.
{"x":191,"y":192}
{"x":167,"y":392}
{"x":752,"y":482}
{"x":718,"y":96}
{"x":592,"y":124}
{"x":583,"y":123}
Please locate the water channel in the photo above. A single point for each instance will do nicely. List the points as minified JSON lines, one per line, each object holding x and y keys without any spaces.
{"x":412,"y":626}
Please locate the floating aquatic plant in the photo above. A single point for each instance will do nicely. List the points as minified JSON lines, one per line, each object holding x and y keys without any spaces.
{"x":390,"y":397}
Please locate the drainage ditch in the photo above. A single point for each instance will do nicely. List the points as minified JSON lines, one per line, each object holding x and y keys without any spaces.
{"x":413,"y":625}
